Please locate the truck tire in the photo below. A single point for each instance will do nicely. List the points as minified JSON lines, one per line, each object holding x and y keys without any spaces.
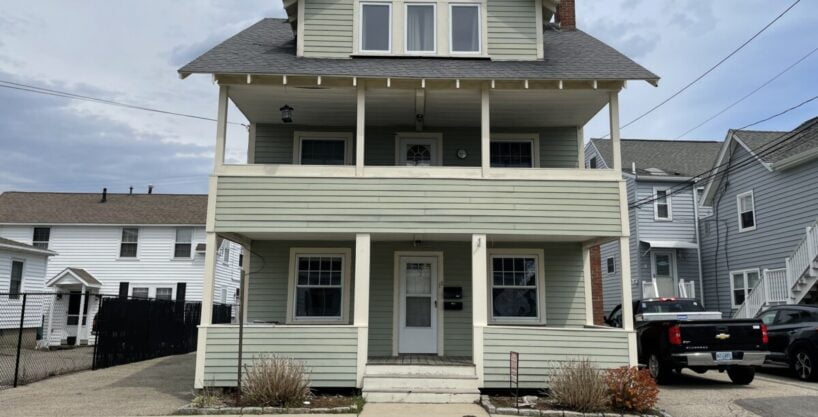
{"x":804,"y":362}
{"x":660,"y":370}
{"x":741,"y":375}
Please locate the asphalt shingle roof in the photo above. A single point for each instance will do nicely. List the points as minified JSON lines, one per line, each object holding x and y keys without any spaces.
{"x":685,"y":158}
{"x":87,"y":208}
{"x":269,"y":47}
{"x":15,"y":243}
{"x":776,"y":146}
{"x":85,"y":275}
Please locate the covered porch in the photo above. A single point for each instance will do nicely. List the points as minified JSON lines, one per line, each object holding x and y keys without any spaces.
{"x":70,"y":315}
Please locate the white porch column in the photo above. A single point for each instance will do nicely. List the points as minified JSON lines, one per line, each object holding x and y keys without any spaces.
{"x":613,"y":114}
{"x":82,"y":316}
{"x":479,"y":293}
{"x":362,"y":250}
{"x":360,"y":128}
{"x":485,"y":129}
{"x":625,"y":272}
{"x":211,"y":248}
{"x":221,"y":127}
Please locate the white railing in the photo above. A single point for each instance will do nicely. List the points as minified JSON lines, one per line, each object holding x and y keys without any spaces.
{"x":687,"y":289}
{"x":777,"y":287}
{"x":754,"y":301}
{"x":803,"y":256}
{"x":649,"y":289}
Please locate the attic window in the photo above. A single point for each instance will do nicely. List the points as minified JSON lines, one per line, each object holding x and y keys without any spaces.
{"x":376,"y":27}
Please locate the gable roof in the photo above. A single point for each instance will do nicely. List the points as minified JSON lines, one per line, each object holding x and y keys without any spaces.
{"x":269,"y":47}
{"x":23,"y":247}
{"x":79,"y":274}
{"x":662,"y":157}
{"x":87,"y":208}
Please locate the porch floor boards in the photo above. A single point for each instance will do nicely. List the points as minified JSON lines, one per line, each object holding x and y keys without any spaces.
{"x":431,"y":360}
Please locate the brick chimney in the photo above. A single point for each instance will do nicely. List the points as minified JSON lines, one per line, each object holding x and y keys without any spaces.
{"x":566,"y":15}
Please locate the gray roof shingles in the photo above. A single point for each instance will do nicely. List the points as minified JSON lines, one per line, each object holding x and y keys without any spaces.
{"x":775,"y":146}
{"x":85,"y":275}
{"x":87,"y":208}
{"x":684,"y":158}
{"x":15,"y":243}
{"x":269,"y":47}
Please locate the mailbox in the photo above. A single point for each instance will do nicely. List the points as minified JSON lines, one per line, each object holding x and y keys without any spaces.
{"x":453,"y":298}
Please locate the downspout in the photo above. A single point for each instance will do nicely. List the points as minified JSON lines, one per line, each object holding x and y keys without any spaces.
{"x":698,"y":241}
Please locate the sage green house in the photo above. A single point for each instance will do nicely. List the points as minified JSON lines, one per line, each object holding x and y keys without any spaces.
{"x":414,"y":206}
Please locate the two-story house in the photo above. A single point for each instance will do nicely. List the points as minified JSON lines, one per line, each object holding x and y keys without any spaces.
{"x":760,"y":245}
{"x":664,"y":244}
{"x":415,"y":194}
{"x":135,"y":245}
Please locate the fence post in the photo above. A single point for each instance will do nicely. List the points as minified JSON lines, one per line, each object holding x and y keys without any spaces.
{"x":20,"y":340}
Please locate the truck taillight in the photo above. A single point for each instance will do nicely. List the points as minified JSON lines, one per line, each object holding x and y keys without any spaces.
{"x":765,"y":338}
{"x":674,"y":335}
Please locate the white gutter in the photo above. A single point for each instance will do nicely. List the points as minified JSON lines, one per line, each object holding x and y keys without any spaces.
{"x":698,"y":242}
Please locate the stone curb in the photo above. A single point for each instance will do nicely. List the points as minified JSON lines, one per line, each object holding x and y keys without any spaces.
{"x":485,"y":402}
{"x":190,"y":410}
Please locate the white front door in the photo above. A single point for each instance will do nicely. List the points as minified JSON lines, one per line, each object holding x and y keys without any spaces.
{"x":663,"y":267}
{"x":418,"y":305}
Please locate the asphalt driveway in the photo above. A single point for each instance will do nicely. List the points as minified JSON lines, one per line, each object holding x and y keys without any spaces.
{"x":152,"y":387}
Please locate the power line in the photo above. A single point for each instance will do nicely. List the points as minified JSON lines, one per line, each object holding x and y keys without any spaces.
{"x":64,"y":94}
{"x":791,"y":66}
{"x":711,"y":69}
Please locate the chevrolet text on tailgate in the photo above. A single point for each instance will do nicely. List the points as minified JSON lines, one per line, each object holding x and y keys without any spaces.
{"x":676,"y":333}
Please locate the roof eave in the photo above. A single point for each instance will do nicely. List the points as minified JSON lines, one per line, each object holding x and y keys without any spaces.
{"x":26,"y":249}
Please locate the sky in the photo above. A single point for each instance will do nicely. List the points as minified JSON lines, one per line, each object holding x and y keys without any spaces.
{"x":130,"y":51}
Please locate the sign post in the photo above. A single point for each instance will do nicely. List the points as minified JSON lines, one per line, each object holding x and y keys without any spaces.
{"x":514,"y":376}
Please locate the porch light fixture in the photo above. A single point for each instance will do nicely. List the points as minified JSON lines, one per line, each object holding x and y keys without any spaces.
{"x":462,"y":154}
{"x":287,"y":114}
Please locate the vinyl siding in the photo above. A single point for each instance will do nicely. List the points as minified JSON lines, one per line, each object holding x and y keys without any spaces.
{"x":558,"y":145}
{"x":786,"y":203}
{"x":512,"y":29}
{"x":328,"y":28}
{"x":329,"y":353}
{"x":34,"y":267}
{"x":541,"y":349}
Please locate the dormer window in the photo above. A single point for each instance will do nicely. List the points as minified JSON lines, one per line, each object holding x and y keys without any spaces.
{"x":464,"y":29}
{"x":420,"y":28}
{"x":376,"y":27}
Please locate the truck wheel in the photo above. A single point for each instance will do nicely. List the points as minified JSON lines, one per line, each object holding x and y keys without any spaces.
{"x":741,"y":375}
{"x":659,"y":369}
{"x":803,"y":363}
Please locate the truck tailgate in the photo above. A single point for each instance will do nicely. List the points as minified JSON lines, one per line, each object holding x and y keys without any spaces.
{"x":714,"y":335}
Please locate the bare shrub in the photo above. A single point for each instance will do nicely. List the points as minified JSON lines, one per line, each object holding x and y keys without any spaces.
{"x":208,"y":398}
{"x":579,"y":386}
{"x":631,"y":389}
{"x":274,"y":381}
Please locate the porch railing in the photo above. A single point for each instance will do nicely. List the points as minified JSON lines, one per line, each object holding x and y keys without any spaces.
{"x":649,"y":289}
{"x":687,"y":289}
{"x":802,"y":258}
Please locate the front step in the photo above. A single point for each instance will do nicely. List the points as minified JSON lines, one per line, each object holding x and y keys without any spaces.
{"x":421,"y":384}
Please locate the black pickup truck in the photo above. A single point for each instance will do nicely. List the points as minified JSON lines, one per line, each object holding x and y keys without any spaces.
{"x":673,"y":333}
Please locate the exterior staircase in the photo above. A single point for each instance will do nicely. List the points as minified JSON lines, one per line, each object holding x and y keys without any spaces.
{"x":794,"y":284}
{"x":421,"y":384}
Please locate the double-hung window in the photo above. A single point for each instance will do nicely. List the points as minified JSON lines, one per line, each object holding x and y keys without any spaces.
{"x":140,"y":292}
{"x":319,"y":285}
{"x":662,"y":209}
{"x":741,"y":285}
{"x":512,"y":152}
{"x":516,"y":287}
{"x":420,"y":28}
{"x":746,"y":211}
{"x":464,"y":28}
{"x":41,"y":237}
{"x":376,"y":27}
{"x":129,"y":244}
{"x":164,"y":293}
{"x":184,"y":242}
{"x":16,"y":281}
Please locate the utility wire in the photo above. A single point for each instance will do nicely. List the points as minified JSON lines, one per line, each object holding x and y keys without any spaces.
{"x":791,"y":66}
{"x":64,"y":94}
{"x":711,"y":69}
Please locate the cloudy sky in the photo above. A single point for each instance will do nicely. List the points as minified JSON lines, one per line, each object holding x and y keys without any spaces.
{"x":130,"y":53}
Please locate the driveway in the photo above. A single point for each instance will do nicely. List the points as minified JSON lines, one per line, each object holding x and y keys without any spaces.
{"x":773,"y":393}
{"x":152,"y":387}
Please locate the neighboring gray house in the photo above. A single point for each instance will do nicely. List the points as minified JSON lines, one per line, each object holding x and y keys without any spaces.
{"x":762,"y":233}
{"x":663,"y":245}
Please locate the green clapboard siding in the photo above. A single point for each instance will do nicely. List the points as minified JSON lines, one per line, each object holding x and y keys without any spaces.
{"x":541,"y":349}
{"x":329,"y":353}
{"x":558,"y":145}
{"x":328,"y":28}
{"x":512,"y":29}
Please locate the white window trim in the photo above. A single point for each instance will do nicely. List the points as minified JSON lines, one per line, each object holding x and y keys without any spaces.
{"x":738,"y":209}
{"x":156,"y":292}
{"x":299,"y":136}
{"x":361,"y":27}
{"x":607,"y":270}
{"x":225,"y":248}
{"x":406,"y":29}
{"x":744,"y":273}
{"x":133,"y":288}
{"x":34,"y":234}
{"x":22,"y":277}
{"x":668,"y":200}
{"x":422,"y":137}
{"x":346,"y":279}
{"x":481,"y":29}
{"x":534,"y":138}
{"x":173,"y":247}
{"x":138,"y":246}
{"x":539,"y":255}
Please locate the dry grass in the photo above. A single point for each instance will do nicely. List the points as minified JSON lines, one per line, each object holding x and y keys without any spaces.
{"x":208,"y":398}
{"x":274,"y":381}
{"x":579,"y":386}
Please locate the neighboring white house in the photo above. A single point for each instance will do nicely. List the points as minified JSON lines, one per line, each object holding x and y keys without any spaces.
{"x":137,"y":245}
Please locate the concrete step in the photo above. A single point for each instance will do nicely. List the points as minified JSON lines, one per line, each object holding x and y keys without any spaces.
{"x":421,"y":370}
{"x":418,"y":383}
{"x":422,"y":397}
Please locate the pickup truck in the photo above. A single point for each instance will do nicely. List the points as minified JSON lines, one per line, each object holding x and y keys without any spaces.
{"x":673,"y":334}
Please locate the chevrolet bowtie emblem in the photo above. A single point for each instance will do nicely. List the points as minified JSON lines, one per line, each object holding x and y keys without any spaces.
{"x":722,"y":336}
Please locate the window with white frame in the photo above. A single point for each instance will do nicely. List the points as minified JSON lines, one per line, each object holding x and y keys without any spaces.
{"x":464,"y":28}
{"x":164,"y":293}
{"x":184,"y":243}
{"x":129,"y":244}
{"x":746,"y":211}
{"x":662,"y":209}
{"x":16,"y":280}
{"x":318,"y":286}
{"x":140,"y":292}
{"x":41,"y":237}
{"x":742,"y":284}
{"x":420,"y":28}
{"x":376,"y":27}
{"x":611,"y":265}
{"x":512,"y":152}
{"x":226,"y":253}
{"x":418,"y":149}
{"x":515,"y":287}
{"x":322,"y":148}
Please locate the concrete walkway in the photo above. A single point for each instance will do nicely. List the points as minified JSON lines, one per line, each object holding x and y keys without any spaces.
{"x":423,"y":410}
{"x":153,"y":387}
